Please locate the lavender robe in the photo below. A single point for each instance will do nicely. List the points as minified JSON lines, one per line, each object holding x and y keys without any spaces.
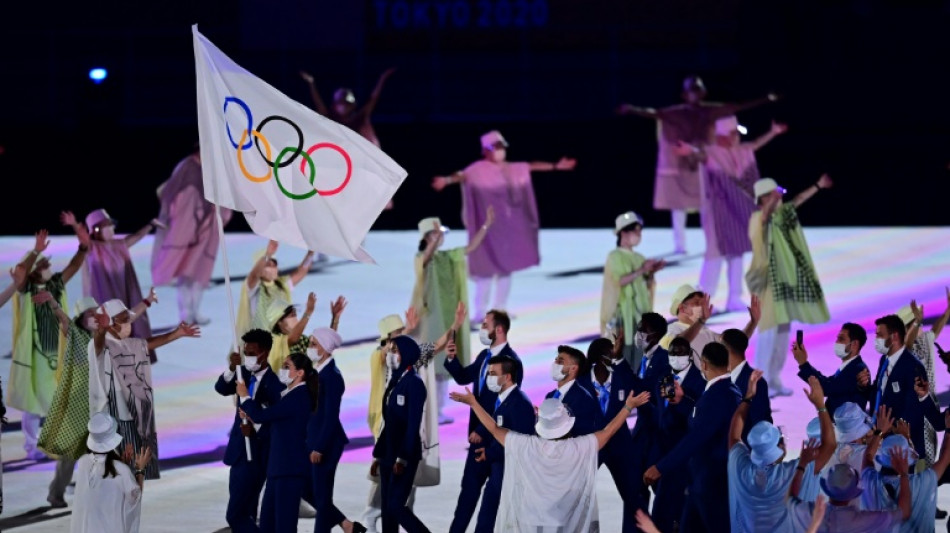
{"x":188,"y":248}
{"x":727,"y":199}
{"x":108,"y":273}
{"x":512,"y":242}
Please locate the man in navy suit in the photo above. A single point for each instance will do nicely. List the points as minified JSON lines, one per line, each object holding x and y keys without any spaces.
{"x":843,"y":385}
{"x":740,"y":371}
{"x":247,"y":477}
{"x":704,"y":447}
{"x":399,"y":448}
{"x":899,"y":372}
{"x":673,"y":415}
{"x":512,"y":410}
{"x":569,"y":364}
{"x":494,"y":335}
{"x":325,"y":435}
{"x":610,"y":381}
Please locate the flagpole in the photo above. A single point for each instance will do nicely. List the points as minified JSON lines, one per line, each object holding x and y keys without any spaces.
{"x":227,"y":290}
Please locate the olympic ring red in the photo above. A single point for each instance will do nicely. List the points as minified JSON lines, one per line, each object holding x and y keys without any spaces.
{"x":346,"y":157}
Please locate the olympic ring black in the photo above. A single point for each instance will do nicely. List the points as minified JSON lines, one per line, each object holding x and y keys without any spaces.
{"x":297,"y":152}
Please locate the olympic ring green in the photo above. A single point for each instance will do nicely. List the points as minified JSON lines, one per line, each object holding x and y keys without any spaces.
{"x":313,"y":173}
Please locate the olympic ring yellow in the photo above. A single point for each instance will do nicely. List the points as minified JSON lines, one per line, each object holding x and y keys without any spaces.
{"x":240,"y":160}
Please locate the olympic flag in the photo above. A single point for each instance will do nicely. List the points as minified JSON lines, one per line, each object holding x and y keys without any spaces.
{"x":298,"y":177}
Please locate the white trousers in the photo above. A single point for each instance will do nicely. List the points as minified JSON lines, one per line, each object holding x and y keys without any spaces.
{"x":189,"y":300}
{"x":482,"y":293}
{"x":679,"y":229}
{"x":771,"y":352}
{"x":709,"y":279}
{"x":30,"y":425}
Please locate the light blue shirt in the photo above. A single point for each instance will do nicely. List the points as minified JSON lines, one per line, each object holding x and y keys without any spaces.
{"x":757,"y":495}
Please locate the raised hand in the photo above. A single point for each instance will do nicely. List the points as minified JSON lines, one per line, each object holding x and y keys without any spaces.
{"x":142,"y":458}
{"x":753,"y":383}
{"x":899,"y":460}
{"x":706,"y":307}
{"x":42,"y":241}
{"x":755,"y":309}
{"x":271,"y":249}
{"x":825,"y":181}
{"x":188,"y":330}
{"x":902,"y":427}
{"x":778,"y":128}
{"x":816,"y":395}
{"x":565,"y":163}
{"x":921,"y":387}
{"x":152,"y":296}
{"x":884,"y":421}
{"x":128,"y":454}
{"x":809,"y":452}
{"x":337,"y":307}
{"x":412,"y":319}
{"x":439,"y":183}
{"x":799,"y":353}
{"x":102,"y":320}
{"x":67,"y":218}
{"x":311,"y":303}
{"x":460,"y":313}
{"x":307,"y":77}
{"x":463,"y":397}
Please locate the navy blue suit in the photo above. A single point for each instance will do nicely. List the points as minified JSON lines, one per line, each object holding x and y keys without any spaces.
{"x":841,"y":387}
{"x":400,"y":440}
{"x":246,"y":479}
{"x":673,"y":425}
{"x":761,"y":407}
{"x":325,"y":435}
{"x":476,"y":473}
{"x":288,"y":463}
{"x":620,"y":454}
{"x":704,"y":448}
{"x":585,"y":409}
{"x":898,"y":394}
{"x":646,"y":451}
{"x":517,"y":414}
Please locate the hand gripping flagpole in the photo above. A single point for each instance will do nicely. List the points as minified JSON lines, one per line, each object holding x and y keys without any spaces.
{"x":227,"y":290}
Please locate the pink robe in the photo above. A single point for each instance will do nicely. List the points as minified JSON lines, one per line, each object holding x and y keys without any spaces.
{"x":512,"y":242}
{"x":188,"y":248}
{"x":108,"y":273}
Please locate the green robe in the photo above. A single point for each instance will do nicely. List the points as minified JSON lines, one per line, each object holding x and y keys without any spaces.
{"x":440,"y":286}
{"x":628,"y":302}
{"x":65,"y":429}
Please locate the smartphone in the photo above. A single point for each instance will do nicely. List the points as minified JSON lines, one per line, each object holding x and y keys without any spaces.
{"x":667,"y":387}
{"x":452,"y":335}
{"x":799,"y":338}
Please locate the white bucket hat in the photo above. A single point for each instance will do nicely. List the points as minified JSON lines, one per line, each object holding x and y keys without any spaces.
{"x":680,"y":296}
{"x":554,"y":420}
{"x":84,"y":304}
{"x":115,"y":307}
{"x":426,"y":225}
{"x":765,"y":186}
{"x":388,"y":325}
{"x":625,"y":220}
{"x":727,"y":125}
{"x":492,"y":137}
{"x":103,"y":437}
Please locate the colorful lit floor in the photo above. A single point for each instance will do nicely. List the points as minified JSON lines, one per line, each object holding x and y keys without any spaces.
{"x":866,"y":273}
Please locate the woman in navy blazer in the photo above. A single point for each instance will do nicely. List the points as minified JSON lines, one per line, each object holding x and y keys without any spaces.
{"x":399,"y":449}
{"x":288,"y":464}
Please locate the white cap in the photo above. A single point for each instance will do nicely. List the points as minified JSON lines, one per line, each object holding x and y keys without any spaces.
{"x":765,"y":186}
{"x":492,"y":137}
{"x":554,"y":420}
{"x":428,"y":224}
{"x":84,"y":304}
{"x":115,"y":307}
{"x":680,"y":296}
{"x":727,"y":125}
{"x":625,"y":220}
{"x":103,"y":437}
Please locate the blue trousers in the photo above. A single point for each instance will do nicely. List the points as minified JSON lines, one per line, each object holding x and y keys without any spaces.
{"x":244,"y":486}
{"x":670,"y":500}
{"x":281,"y":504}
{"x":323,"y":478}
{"x":395,"y":493}
{"x":622,"y":466}
{"x":473,"y":479}
{"x":491,"y":498}
{"x":706,"y":511}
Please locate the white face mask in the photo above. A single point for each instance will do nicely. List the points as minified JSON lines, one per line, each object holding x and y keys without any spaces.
{"x":290,"y":322}
{"x":492,"y":383}
{"x":284,"y":376}
{"x":484,"y":337}
{"x":695,"y":313}
{"x":881,"y":346}
{"x":269,"y":274}
{"x":313,"y":354}
{"x":498,"y":155}
{"x":392,"y":359}
{"x":679,"y":362}
{"x":841,"y":350}
{"x":91,"y":324}
{"x":251,"y":364}
{"x":125,"y":330}
{"x":640,"y":340}
{"x":107,"y":232}
{"x":46,"y":274}
{"x":557,"y":372}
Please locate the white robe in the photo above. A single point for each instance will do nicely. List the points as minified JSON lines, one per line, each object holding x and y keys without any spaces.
{"x":549,"y":485}
{"x":105,"y":505}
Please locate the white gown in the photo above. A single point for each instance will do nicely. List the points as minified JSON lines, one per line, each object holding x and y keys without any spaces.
{"x":549,"y":485}
{"x":105,"y":505}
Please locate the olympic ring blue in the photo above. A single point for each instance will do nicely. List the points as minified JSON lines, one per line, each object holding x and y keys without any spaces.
{"x":250,"y":121}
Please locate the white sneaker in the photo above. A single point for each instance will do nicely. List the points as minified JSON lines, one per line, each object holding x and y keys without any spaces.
{"x":306,"y":510}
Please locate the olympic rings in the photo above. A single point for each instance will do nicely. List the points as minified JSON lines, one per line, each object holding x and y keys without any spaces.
{"x":250,"y":120}
{"x":313,"y":173}
{"x":346,"y":157}
{"x":254,"y":136}
{"x":240,"y":160}
{"x":299,"y":140}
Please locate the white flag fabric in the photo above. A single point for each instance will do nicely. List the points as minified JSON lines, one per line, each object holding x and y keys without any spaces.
{"x":298,"y":177}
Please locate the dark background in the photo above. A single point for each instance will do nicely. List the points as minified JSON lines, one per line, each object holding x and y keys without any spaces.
{"x":864,"y":86}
